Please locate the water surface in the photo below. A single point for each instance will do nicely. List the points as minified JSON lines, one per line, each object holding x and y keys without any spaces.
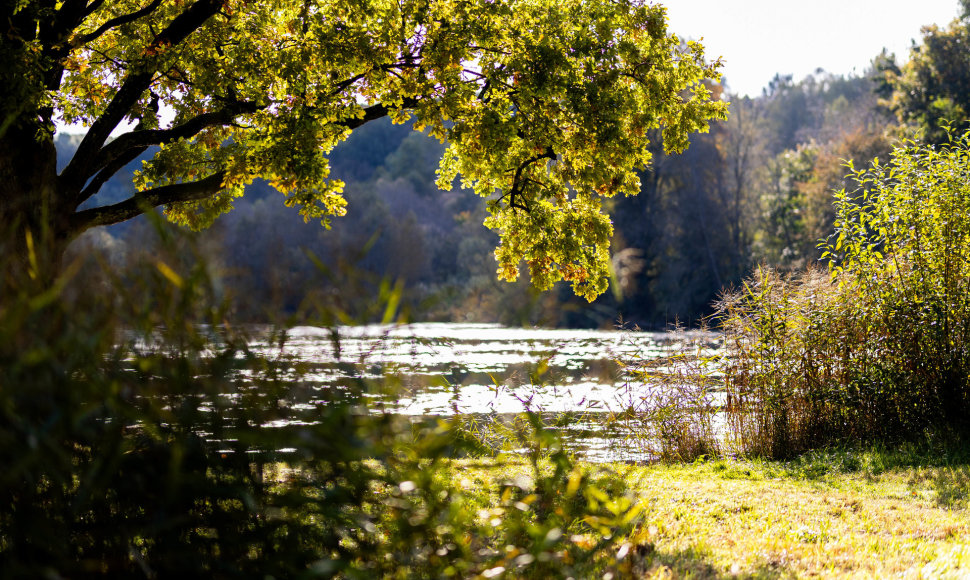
{"x":440,"y":369}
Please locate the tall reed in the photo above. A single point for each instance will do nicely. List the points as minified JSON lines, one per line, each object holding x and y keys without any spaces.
{"x":796,"y":364}
{"x":669,"y":407}
{"x":879,"y":347}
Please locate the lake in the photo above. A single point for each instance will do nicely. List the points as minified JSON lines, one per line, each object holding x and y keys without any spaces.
{"x":487,"y":370}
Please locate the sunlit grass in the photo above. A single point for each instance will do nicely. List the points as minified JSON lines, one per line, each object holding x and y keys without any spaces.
{"x":872,"y":514}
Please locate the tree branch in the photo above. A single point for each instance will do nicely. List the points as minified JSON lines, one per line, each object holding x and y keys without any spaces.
{"x":341,"y":86}
{"x":54,"y":32}
{"x":135,"y":206}
{"x":121,"y":20}
{"x":94,"y":186}
{"x":126,"y":148}
{"x":69,"y":15}
{"x":375,"y":112}
{"x":93,"y":7}
{"x":517,"y":181}
{"x":79,"y":169}
{"x":139,"y":140}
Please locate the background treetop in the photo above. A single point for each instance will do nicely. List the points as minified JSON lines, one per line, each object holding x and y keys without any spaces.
{"x":548,"y":104}
{"x":932,"y":89}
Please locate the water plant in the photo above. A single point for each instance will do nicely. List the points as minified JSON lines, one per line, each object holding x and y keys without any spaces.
{"x":878,"y":349}
{"x":669,"y":406}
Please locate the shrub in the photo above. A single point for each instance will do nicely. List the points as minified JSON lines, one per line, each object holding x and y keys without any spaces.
{"x":902,"y":241}
{"x":878,"y":350}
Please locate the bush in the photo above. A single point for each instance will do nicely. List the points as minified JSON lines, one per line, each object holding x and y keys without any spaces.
{"x":879,"y":350}
{"x":903,"y":242}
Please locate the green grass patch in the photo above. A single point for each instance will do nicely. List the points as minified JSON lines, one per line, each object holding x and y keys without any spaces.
{"x":847,"y":513}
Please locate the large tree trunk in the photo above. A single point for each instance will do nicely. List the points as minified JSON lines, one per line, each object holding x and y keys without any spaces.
{"x":34,"y":214}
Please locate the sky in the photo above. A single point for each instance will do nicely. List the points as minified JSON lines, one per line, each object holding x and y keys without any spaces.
{"x":759,"y":38}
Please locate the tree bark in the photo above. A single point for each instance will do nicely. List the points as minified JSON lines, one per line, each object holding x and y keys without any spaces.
{"x":34,"y":214}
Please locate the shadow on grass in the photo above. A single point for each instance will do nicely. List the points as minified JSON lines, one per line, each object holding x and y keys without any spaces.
{"x":950,"y":484}
{"x":694,"y":563}
{"x":949,"y":461}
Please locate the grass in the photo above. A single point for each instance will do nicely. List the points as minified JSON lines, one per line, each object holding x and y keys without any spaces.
{"x":872,"y":514}
{"x":754,"y":520}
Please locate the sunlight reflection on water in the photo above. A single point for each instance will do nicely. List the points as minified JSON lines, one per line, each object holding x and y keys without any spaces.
{"x":439,"y":369}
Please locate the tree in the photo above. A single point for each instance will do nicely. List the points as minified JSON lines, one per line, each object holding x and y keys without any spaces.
{"x":742,"y":145}
{"x":547,"y":104}
{"x":933,"y":87}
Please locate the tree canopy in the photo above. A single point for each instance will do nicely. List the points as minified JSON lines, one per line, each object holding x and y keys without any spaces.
{"x":933,"y":88}
{"x":545,"y":108}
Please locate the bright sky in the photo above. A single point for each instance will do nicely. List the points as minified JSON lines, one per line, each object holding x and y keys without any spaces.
{"x":758,"y":38}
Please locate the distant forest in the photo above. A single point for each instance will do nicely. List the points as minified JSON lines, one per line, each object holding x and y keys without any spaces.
{"x":756,"y":189}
